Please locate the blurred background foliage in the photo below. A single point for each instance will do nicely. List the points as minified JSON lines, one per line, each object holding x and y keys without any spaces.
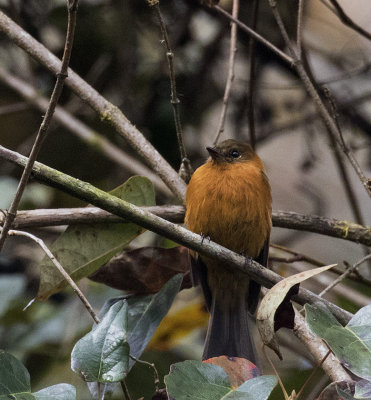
{"x":118,"y":51}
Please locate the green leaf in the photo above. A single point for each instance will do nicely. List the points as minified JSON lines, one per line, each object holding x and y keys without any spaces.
{"x":103,"y":354}
{"x":363,"y":390}
{"x":197,"y":380}
{"x":62,"y":391}
{"x":11,"y":286}
{"x":343,"y":394}
{"x":82,"y":249}
{"x":146,"y":313}
{"x":351,"y":344}
{"x":257,"y":388}
{"x":15,"y":383}
{"x":14,"y":377}
{"x":192,"y":379}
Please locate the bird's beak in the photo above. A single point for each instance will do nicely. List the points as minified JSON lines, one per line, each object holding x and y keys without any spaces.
{"x":214,"y":153}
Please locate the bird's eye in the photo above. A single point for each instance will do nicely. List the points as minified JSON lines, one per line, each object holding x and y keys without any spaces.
{"x":235,"y":154}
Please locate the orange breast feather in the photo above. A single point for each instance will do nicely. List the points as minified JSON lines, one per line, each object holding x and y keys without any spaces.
{"x":231,"y":203}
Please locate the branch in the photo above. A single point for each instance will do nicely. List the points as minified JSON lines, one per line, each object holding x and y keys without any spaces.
{"x":82,"y":131}
{"x":230,"y":76}
{"x":56,"y":263}
{"x":347,"y":272}
{"x":256,"y":36}
{"x":346,"y":20}
{"x":44,"y":127}
{"x":106,"y":110}
{"x":281,"y":219}
{"x":121,"y":208}
{"x":185,"y":168}
{"x":332,"y":128}
{"x":252,"y":76}
{"x":317,"y":348}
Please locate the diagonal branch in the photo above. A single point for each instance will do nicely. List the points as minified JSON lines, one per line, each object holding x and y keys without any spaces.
{"x":230,"y":76}
{"x":44,"y":127}
{"x":106,"y":110}
{"x":82,"y":131}
{"x":121,"y":208}
{"x":346,"y":20}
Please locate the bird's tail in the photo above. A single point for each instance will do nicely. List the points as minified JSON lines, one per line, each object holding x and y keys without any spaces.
{"x":228,"y":331}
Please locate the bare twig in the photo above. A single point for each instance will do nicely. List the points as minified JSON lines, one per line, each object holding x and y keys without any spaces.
{"x":230,"y":76}
{"x":299,"y":29}
{"x":356,"y":277}
{"x":43,"y":131}
{"x":121,"y":208}
{"x":352,"y":199}
{"x":313,"y":93}
{"x":82,"y":131}
{"x":156,"y":380}
{"x":345,"y":274}
{"x":258,"y":37}
{"x":282,"y":219}
{"x":106,"y":110}
{"x":346,"y":20}
{"x":59,"y":267}
{"x":319,"y":350}
{"x":125,"y":389}
{"x":252,"y":76}
{"x":185,"y":169}
{"x":11,"y":108}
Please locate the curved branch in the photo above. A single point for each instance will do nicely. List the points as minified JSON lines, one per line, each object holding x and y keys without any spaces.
{"x":106,"y":110}
{"x":121,"y":208}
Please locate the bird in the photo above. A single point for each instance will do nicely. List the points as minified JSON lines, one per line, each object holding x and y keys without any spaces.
{"x":228,"y":201}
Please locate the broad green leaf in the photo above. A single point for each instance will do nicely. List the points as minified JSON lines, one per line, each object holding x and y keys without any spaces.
{"x":62,"y":391}
{"x":146,"y":313}
{"x":351,"y":344}
{"x":11,"y":286}
{"x":343,"y":394}
{"x":82,"y":249}
{"x":257,"y":388}
{"x":192,"y":379}
{"x":102,"y":355}
{"x":14,"y":377}
{"x":15,"y":383}
{"x":203,"y":381}
{"x":363,"y":390}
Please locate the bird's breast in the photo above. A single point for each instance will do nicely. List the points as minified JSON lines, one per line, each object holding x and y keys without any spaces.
{"x":230,"y":203}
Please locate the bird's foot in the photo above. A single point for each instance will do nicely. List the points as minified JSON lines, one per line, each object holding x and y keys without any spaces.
{"x":203,"y":237}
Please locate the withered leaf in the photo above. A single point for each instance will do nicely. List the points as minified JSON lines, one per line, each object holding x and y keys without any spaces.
{"x":144,"y":270}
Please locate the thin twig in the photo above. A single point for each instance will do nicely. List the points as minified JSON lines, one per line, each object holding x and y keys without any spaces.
{"x":156,"y":380}
{"x":43,"y":130}
{"x":346,"y":20}
{"x":318,"y":349}
{"x":75,"y":288}
{"x":310,"y":377}
{"x":230,"y":76}
{"x":345,"y":274}
{"x":282,"y":219}
{"x":299,"y":29}
{"x":356,"y":277}
{"x":185,"y":169}
{"x":313,"y":93}
{"x":113,"y":204}
{"x":82,"y":131}
{"x":252,"y":75}
{"x":352,"y":199}
{"x":258,"y":37}
{"x":125,"y":390}
{"x":106,"y":110}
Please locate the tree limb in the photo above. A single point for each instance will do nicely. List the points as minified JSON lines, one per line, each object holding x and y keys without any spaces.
{"x":106,"y":110}
{"x":121,"y":208}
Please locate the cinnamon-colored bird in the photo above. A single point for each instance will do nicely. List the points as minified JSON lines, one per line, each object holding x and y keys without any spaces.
{"x":229,"y":200}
